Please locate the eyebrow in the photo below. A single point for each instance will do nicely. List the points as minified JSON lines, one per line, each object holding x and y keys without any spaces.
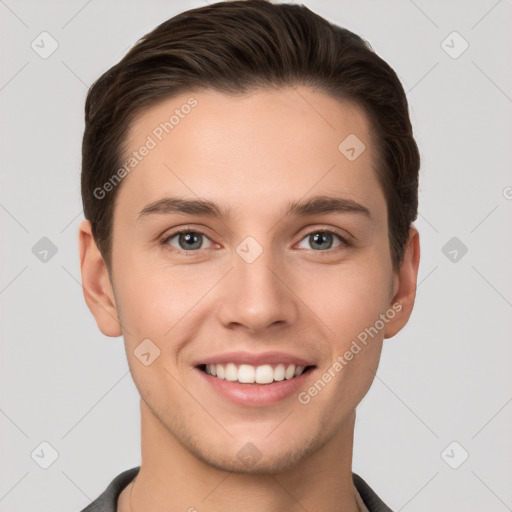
{"x":317,"y":205}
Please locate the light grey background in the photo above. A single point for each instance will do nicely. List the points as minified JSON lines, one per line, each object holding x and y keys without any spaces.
{"x":446,"y":377}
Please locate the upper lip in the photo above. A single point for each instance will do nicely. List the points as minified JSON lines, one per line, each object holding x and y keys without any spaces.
{"x":254,"y":359}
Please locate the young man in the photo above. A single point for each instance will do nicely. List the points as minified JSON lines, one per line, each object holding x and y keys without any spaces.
{"x":249,"y":182}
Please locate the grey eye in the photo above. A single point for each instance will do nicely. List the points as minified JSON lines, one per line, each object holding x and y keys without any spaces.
{"x":187,"y":240}
{"x":321,"y":240}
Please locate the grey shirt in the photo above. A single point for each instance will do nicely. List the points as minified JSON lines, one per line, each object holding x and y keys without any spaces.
{"x":107,"y":501}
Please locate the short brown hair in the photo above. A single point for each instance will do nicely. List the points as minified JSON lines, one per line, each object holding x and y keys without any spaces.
{"x":233,"y":47}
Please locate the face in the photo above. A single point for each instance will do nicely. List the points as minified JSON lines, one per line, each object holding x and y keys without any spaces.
{"x":251,"y":289}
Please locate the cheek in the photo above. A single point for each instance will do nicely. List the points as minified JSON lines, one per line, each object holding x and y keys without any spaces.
{"x":150,"y":307}
{"x":350,"y":298}
{"x":153,"y":298}
{"x":142,"y":295}
{"x":352,"y":311}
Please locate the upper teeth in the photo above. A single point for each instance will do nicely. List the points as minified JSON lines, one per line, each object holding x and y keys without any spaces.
{"x":249,"y":374}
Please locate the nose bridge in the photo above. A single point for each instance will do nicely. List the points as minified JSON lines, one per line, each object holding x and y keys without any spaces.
{"x":256,"y":296}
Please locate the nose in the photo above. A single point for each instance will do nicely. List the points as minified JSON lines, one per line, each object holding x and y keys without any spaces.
{"x":257,"y":296}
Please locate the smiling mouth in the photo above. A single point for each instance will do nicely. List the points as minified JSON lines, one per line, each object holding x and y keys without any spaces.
{"x":249,"y":374}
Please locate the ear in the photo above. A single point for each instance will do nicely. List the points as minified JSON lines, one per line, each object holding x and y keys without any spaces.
{"x":96,"y":284}
{"x":404,"y":287}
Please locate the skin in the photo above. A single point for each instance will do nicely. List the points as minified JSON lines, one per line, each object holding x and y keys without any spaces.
{"x":253,"y":153}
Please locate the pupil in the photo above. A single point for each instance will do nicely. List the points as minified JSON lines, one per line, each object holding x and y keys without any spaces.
{"x":190,"y":240}
{"x":318,"y":238}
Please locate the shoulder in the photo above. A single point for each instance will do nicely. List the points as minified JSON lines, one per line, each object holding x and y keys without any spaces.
{"x":368,"y":495}
{"x":107,"y":500}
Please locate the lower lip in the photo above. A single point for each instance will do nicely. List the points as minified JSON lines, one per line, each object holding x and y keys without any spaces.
{"x":256,"y":395}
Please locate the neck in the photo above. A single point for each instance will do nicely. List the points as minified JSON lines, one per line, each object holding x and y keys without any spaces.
{"x":172,"y":478}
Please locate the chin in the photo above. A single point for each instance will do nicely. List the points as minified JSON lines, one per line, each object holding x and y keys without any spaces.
{"x":254,"y":457}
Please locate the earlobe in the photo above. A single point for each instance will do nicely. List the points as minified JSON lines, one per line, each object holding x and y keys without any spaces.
{"x":96,"y":286}
{"x":406,"y":279}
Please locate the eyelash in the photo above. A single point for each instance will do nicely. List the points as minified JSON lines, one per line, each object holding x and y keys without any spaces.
{"x":345,"y":243}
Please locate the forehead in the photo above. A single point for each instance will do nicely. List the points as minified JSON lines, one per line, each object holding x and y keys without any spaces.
{"x":256,"y":148}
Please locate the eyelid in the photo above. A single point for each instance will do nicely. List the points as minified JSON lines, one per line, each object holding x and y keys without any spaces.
{"x":164,"y":239}
{"x":345,"y":240}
